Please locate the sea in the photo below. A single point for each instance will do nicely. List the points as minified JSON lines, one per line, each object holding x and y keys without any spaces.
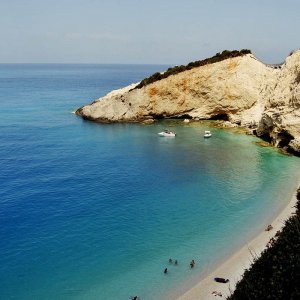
{"x":95,"y":211}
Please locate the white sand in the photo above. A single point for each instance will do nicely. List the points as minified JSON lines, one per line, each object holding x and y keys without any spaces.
{"x":234,"y":267}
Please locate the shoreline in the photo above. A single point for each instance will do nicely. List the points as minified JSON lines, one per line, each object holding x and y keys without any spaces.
{"x":233,"y":267}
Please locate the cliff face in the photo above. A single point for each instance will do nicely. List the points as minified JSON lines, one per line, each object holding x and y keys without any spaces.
{"x":280,"y":120}
{"x":241,"y":89}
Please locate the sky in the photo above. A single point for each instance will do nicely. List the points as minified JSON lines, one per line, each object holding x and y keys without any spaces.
{"x":145,"y":31}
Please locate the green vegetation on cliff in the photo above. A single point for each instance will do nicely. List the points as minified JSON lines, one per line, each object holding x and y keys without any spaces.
{"x":177,"y":69}
{"x":276,"y":273}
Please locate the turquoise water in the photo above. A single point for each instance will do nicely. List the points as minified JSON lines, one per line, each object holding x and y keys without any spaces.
{"x":91,"y":211}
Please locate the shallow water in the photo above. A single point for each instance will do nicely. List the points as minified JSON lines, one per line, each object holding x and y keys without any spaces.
{"x":91,"y":211}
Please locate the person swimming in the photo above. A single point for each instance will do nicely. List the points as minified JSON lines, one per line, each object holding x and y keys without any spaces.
{"x":170,"y":260}
{"x":166,"y":270}
{"x":176,"y":262}
{"x":192,"y":264}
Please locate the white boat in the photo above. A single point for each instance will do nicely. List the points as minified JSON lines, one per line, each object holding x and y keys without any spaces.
{"x":167,"y":133}
{"x":207,"y":134}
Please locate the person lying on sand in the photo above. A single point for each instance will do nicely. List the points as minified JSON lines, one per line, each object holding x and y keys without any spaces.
{"x":220,"y":279}
{"x":270,"y":227}
{"x":215,"y":293}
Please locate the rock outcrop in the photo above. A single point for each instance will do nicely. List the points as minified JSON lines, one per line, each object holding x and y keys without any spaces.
{"x":241,"y":90}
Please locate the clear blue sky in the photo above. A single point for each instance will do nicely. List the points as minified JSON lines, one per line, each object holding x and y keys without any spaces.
{"x":145,"y":31}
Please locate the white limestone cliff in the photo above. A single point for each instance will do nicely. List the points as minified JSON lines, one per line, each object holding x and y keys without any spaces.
{"x":242,"y":90}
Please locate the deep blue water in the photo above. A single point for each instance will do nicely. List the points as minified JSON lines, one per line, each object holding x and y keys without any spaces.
{"x":90,"y":211}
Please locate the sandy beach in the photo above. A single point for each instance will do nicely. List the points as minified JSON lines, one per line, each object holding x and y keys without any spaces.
{"x":233,"y":268}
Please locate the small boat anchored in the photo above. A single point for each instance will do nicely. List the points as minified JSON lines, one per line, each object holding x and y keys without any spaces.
{"x":167,"y":133}
{"x":207,"y":134}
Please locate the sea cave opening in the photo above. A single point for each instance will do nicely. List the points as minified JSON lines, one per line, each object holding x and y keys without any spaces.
{"x":220,"y":117}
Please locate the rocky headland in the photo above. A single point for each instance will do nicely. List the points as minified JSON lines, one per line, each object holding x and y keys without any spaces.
{"x":233,"y":86}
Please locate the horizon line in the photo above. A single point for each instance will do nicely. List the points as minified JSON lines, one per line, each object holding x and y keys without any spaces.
{"x":81,"y":63}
